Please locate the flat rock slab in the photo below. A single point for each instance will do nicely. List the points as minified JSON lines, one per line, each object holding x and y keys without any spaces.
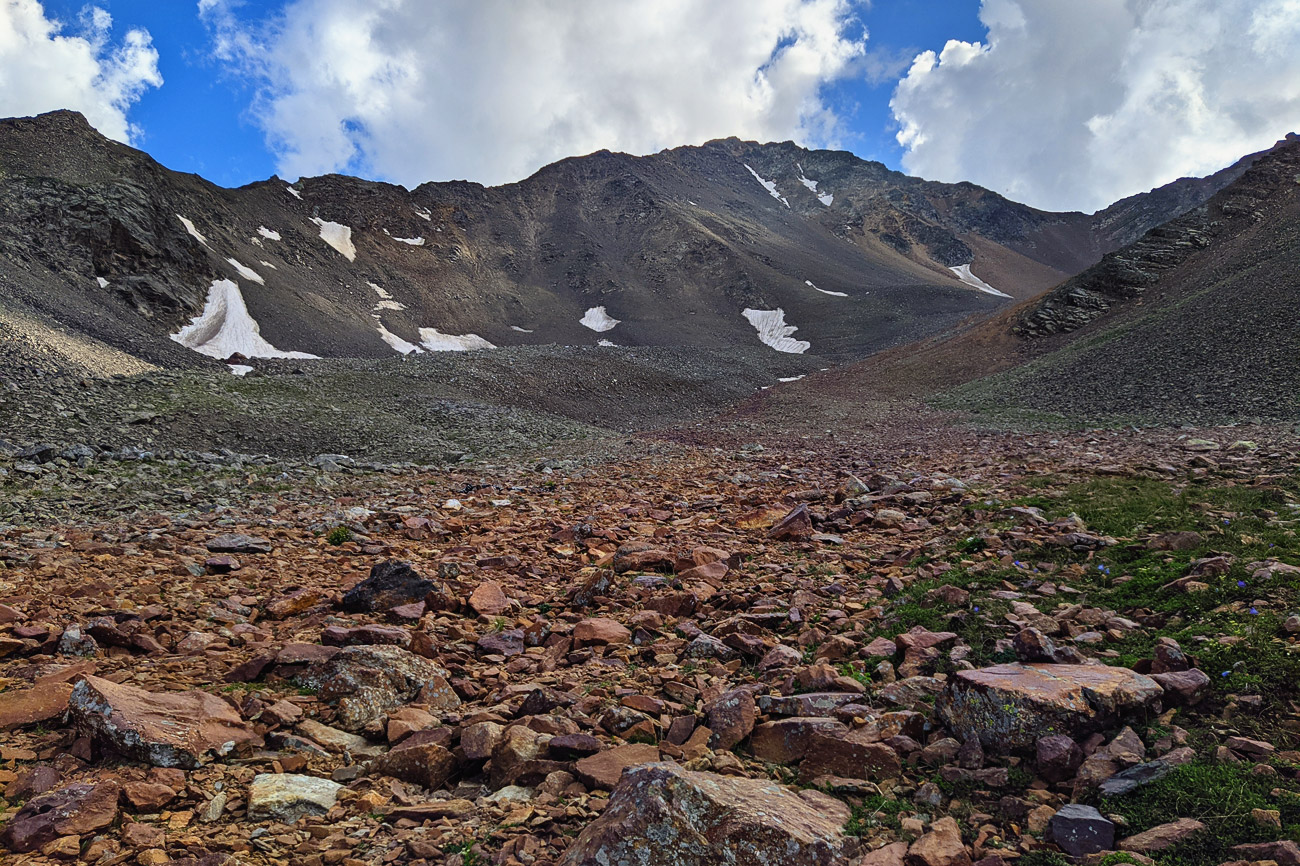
{"x":366,"y":682}
{"x":72,"y":811}
{"x":236,"y":543}
{"x":174,"y":729}
{"x":29,"y":706}
{"x":604,"y":769}
{"x":1162,"y":837}
{"x":287,"y":797}
{"x":663,"y":815}
{"x":1012,"y":706}
{"x":391,"y":583}
{"x":1078,"y":830}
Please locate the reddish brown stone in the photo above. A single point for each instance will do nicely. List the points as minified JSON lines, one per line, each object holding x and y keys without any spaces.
{"x":29,"y":706}
{"x":603,"y":769}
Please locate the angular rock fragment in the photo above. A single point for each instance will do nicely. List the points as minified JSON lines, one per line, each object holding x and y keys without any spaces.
{"x":239,"y":543}
{"x":179,"y":729}
{"x":1011,"y":706}
{"x":287,"y":797}
{"x":391,"y":583}
{"x":365,"y":682}
{"x":72,"y":811}
{"x":1078,"y":830}
{"x":1162,"y":837}
{"x":701,"y":819}
{"x":603,"y":769}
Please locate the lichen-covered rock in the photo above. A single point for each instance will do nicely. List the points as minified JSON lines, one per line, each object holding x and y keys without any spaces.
{"x":178,"y":729}
{"x":1011,"y":706}
{"x":365,"y":682}
{"x":287,"y":797}
{"x":663,"y":815}
{"x":71,"y":811}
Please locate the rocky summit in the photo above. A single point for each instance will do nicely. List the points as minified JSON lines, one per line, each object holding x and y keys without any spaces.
{"x":719,"y":593}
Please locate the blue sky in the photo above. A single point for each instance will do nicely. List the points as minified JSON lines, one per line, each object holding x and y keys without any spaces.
{"x":1062,"y":105}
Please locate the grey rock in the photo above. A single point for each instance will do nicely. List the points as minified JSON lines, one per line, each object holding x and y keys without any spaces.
{"x":1079,"y":830}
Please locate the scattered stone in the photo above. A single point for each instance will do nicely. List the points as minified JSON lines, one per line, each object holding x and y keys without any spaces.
{"x":603,"y":769}
{"x":72,"y":811}
{"x":1079,"y":830}
{"x":286,"y":797}
{"x":942,"y":846}
{"x":1162,"y":837}
{"x":391,"y":583}
{"x":238,"y":543}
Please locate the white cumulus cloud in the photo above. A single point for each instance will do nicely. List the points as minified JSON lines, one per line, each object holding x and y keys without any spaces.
{"x":46,"y":65}
{"x":416,"y":90}
{"x":1072,"y":105}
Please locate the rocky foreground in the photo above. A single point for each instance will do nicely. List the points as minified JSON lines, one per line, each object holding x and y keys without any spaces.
{"x":995,"y":649}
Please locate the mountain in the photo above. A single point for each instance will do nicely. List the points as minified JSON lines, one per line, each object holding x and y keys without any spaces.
{"x":718,"y":246}
{"x":1193,"y":321}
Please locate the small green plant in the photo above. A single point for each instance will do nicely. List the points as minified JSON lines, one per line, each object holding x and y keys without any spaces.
{"x":339,"y":535}
{"x":876,"y":811}
{"x":499,"y":624}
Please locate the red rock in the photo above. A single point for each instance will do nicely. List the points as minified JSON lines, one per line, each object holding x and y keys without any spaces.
{"x":731,"y":717}
{"x":795,"y":526}
{"x":295,"y":603}
{"x":1183,"y":688}
{"x":600,"y":631}
{"x":1162,"y":837}
{"x":426,"y":764}
{"x":148,"y":796}
{"x":603,"y":769}
{"x":641,"y":556}
{"x":29,"y":706}
{"x":942,"y":846}
{"x":365,"y":635}
{"x":892,"y":854}
{"x":786,"y":741}
{"x":31,"y":781}
{"x":489,"y":599}
{"x":703,"y":819}
{"x":72,"y":811}
{"x":177,"y":729}
{"x":1058,"y":757}
{"x":849,"y":756}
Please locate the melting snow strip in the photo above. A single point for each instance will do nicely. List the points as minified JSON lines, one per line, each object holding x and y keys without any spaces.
{"x":265,"y":263}
{"x":774,"y":332}
{"x":194,"y":233}
{"x":397,"y":343}
{"x":823,"y":197}
{"x":790,"y":378}
{"x":415,"y":242}
{"x":240,"y":369}
{"x":809,"y":284}
{"x":436,"y":341}
{"x":963,"y":273}
{"x":225,"y":328}
{"x":269,"y":234}
{"x":247,"y":272}
{"x":380,"y":291}
{"x":103,"y":283}
{"x":424,"y":215}
{"x":520,"y":330}
{"x":768,"y":185}
{"x":598,"y":320}
{"x":609,"y":344}
{"x":293,"y":192}
{"x":338,"y":236}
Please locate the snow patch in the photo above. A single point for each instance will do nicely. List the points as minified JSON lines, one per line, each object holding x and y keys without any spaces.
{"x":194,"y":233}
{"x":103,"y":283}
{"x":598,"y":320}
{"x":338,"y":236}
{"x":823,"y":197}
{"x":389,"y":305}
{"x":240,"y":369}
{"x":809,"y":284}
{"x":963,"y":273}
{"x":415,"y":242}
{"x":607,"y":343}
{"x":379,"y":290}
{"x":265,"y":263}
{"x":225,"y":328}
{"x":436,"y":341}
{"x":397,"y":343}
{"x":768,"y":185}
{"x":424,"y":215}
{"x":520,"y":330}
{"x":293,"y":192}
{"x":268,"y":233}
{"x":247,"y":272}
{"x":774,"y":332}
{"x":790,"y":378}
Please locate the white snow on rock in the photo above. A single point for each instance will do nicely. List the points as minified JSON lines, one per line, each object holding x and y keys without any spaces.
{"x":293,"y":192}
{"x":774,"y":332}
{"x":520,"y":330}
{"x":415,"y":242}
{"x":194,"y":233}
{"x":963,"y":273}
{"x":823,"y":197}
{"x":424,"y":215}
{"x":809,"y":284}
{"x":240,"y":369}
{"x":598,"y":320}
{"x":390,"y":305}
{"x":379,"y":290}
{"x":436,"y":341}
{"x":225,"y":328}
{"x":265,"y":263}
{"x":768,"y":185}
{"x":269,"y":234}
{"x":103,"y":283}
{"x":397,"y":342}
{"x":338,"y":236}
{"x":609,"y":344}
{"x":790,"y":378}
{"x":247,"y":272}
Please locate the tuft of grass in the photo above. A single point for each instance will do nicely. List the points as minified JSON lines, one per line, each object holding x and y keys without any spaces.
{"x":876,"y":810}
{"x":339,"y":535}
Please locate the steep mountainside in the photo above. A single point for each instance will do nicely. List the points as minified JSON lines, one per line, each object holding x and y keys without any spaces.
{"x":1195,"y":320}
{"x":723,"y":245}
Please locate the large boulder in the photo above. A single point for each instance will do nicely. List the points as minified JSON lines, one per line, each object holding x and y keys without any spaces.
{"x":391,"y":583}
{"x":663,"y":815}
{"x":168,"y":729}
{"x":366,"y":682}
{"x":1012,"y":706}
{"x":287,"y":797}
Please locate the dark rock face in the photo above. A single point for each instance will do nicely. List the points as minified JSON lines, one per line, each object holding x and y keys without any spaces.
{"x":701,"y":818}
{"x":71,"y":811}
{"x":391,"y":583}
{"x":1079,"y":830}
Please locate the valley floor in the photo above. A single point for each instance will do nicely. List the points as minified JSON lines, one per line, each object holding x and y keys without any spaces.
{"x":793,"y":606}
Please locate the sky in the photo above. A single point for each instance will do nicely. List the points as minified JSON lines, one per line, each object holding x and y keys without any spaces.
{"x":1061,"y":104}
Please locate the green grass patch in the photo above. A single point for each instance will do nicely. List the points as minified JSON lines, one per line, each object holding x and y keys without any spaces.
{"x":876,"y":811}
